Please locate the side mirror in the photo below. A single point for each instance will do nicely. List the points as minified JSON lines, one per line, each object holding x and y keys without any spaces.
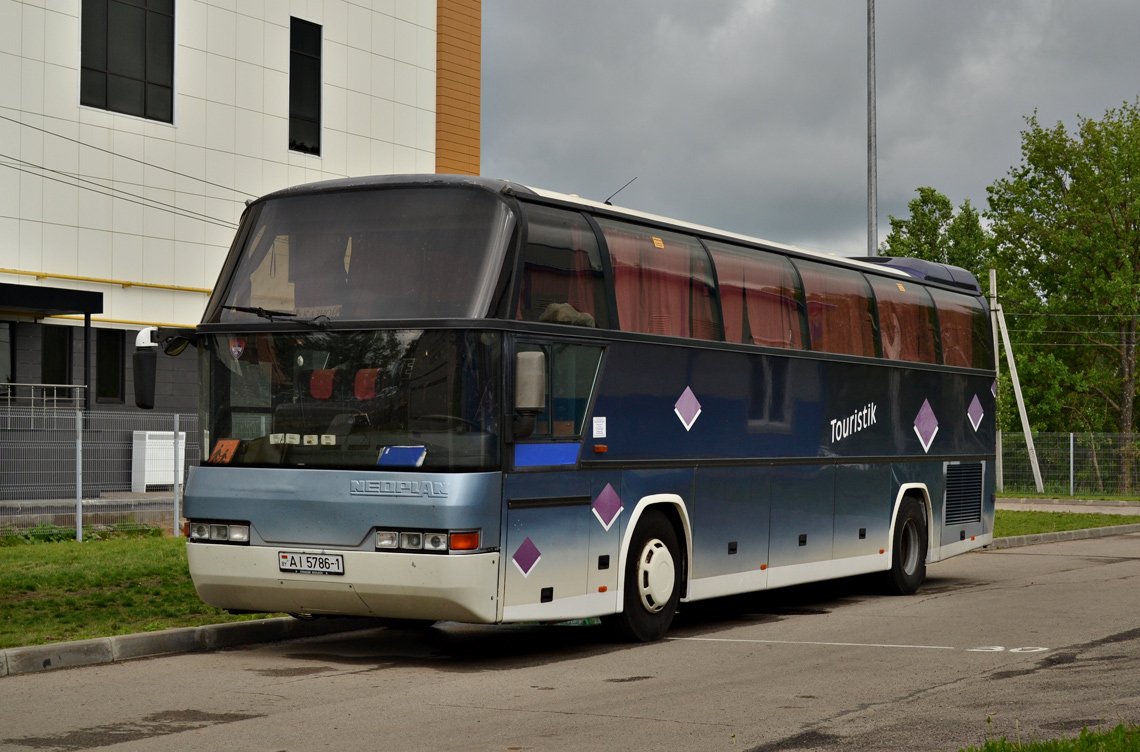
{"x":530,"y":390}
{"x":145,"y":361}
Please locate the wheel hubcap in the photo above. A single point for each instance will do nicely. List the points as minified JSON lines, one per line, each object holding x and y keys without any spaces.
{"x":908,"y":547}
{"x":655,"y":576}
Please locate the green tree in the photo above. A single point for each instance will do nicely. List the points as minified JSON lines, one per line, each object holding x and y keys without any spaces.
{"x":1067,"y":228}
{"x":934,"y":232}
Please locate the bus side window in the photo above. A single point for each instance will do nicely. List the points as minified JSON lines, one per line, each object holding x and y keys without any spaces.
{"x":662,"y":281}
{"x":965,"y":330}
{"x":562,"y":271}
{"x":838,"y":308}
{"x":572,"y":374}
{"x":759,"y":297}
{"x":906,"y":320}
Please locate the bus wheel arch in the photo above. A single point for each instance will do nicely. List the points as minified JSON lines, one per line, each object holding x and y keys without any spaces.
{"x":909,"y":542}
{"x":653,"y":569}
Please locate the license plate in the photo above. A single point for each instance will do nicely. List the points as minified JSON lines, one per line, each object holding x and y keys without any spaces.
{"x":292,"y":561}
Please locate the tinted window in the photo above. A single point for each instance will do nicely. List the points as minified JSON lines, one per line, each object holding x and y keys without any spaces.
{"x":965,"y":329}
{"x":7,"y":361}
{"x":55,"y":355}
{"x":376,"y":254}
{"x":907,"y":323}
{"x":662,"y":282}
{"x":838,"y":308}
{"x":571,"y":371}
{"x":304,"y":87}
{"x":758,"y":297}
{"x":562,"y":270}
{"x":109,"y":365}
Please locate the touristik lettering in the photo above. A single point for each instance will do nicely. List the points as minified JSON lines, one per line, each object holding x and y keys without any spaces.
{"x":841,"y":428}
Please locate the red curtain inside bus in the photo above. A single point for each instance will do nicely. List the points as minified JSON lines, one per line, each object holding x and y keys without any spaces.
{"x":757,"y":297}
{"x":662,"y":282}
{"x":562,"y":270}
{"x":838,"y":309}
{"x":906,"y":320}
{"x":965,"y":330}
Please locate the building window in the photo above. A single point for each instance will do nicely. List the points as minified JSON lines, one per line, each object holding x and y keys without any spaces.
{"x":55,"y":355}
{"x":7,"y":354}
{"x":109,"y":365}
{"x":128,"y":57}
{"x":304,"y":86}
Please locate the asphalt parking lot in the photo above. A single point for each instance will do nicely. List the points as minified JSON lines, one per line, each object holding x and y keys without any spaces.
{"x":1035,"y":641}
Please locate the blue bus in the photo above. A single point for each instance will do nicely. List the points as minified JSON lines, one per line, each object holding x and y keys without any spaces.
{"x":453,"y":398}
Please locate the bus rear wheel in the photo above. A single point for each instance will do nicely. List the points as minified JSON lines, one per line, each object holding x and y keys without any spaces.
{"x":652,"y":585}
{"x":908,"y":548}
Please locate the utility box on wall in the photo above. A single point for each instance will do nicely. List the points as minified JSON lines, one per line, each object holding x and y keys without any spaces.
{"x":152,"y":459}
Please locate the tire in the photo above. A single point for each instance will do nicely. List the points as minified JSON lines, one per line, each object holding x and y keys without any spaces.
{"x":652,"y":584}
{"x":908,"y":548}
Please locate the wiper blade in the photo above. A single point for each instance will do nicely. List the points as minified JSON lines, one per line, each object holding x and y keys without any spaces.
{"x":321,"y":321}
{"x":265,"y":313}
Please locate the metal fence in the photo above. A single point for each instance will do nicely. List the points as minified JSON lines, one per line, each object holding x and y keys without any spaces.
{"x":1073,"y":463}
{"x":92,"y":471}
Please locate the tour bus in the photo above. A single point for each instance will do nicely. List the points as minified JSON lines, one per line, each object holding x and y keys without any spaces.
{"x":453,"y":398}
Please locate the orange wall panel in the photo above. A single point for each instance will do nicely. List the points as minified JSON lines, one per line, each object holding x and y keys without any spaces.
{"x":458,"y":70}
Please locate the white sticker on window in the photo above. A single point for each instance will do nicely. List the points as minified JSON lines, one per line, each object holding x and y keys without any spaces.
{"x":599,"y":428}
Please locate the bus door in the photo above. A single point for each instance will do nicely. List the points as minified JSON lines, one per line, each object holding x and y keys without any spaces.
{"x":561,"y":537}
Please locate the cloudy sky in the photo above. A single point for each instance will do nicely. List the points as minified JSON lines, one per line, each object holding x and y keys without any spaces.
{"x":750,"y":115}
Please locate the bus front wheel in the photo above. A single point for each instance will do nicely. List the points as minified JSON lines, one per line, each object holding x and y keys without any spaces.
{"x":652,"y":584}
{"x":908,"y":548}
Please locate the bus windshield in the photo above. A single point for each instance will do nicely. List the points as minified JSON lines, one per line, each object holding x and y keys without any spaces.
{"x":385,"y":253}
{"x":349,"y":399}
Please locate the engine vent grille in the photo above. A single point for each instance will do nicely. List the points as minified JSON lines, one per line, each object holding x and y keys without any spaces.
{"x":963,"y":493}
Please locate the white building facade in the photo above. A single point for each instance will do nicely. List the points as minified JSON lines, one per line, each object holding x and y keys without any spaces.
{"x":132,"y":132}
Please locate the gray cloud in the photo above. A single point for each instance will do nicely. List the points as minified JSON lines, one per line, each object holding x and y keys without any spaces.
{"x":751,"y":115}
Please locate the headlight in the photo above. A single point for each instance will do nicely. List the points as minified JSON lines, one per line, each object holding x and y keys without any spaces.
{"x":219,"y":532}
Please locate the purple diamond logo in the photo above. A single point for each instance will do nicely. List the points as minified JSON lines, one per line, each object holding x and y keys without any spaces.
{"x":993,"y":388}
{"x":526,"y":557}
{"x":926,"y":426}
{"x":687,"y":408}
{"x":975,"y":412}
{"x":607,"y":506}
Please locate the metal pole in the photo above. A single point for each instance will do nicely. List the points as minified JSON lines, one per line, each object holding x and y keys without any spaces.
{"x":79,"y":475}
{"x":872,"y":138}
{"x":177,"y":477}
{"x":1071,"y":447}
{"x":1020,"y":404}
{"x":86,"y":361}
{"x":999,"y":469}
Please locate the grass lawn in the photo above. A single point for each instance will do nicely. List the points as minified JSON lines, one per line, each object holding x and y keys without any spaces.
{"x":1008,"y":523}
{"x":1119,"y":739}
{"x":55,"y":592}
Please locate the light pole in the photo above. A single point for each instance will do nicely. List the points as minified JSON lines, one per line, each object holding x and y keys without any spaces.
{"x":872,"y":157}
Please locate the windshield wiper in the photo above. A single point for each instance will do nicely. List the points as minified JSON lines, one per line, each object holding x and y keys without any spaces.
{"x":265,"y":313}
{"x":272,"y":315}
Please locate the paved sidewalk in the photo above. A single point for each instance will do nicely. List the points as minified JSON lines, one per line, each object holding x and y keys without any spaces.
{"x":1083,"y":506}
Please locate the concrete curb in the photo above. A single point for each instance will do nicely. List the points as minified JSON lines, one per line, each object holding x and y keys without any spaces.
{"x":1070,"y":502}
{"x":1017,"y":541}
{"x":36,"y":658}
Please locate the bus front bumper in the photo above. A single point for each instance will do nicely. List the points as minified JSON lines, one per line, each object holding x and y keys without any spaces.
{"x":393,"y":585}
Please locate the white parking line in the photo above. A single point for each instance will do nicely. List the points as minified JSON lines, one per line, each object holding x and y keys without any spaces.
{"x":987,"y":649}
{"x":832,"y":644}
